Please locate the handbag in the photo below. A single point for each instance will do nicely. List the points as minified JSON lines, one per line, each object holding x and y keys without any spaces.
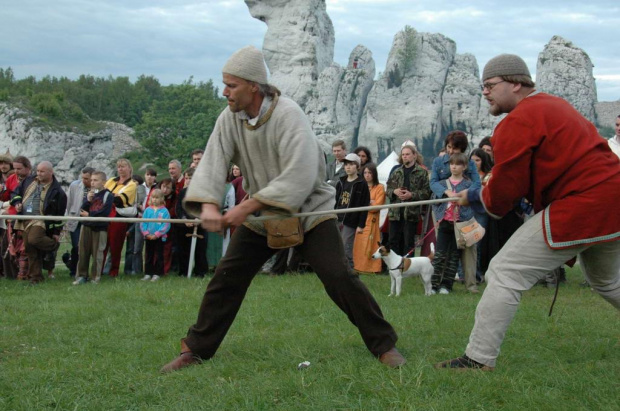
{"x":284,"y":233}
{"x":129,"y":211}
{"x":468,"y":232}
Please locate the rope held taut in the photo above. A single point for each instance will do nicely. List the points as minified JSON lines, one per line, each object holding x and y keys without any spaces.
{"x":250,"y":218}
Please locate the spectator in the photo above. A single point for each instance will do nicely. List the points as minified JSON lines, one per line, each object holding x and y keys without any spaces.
{"x":335,"y":170}
{"x":235,"y":177}
{"x":364,"y":154}
{"x":6,"y":170}
{"x":407,"y":183}
{"x":614,"y":142}
{"x":366,"y":242}
{"x":15,"y":262}
{"x":132,"y":228}
{"x":99,"y":202}
{"x":40,"y":196}
{"x":351,"y":192}
{"x":447,"y":254}
{"x":150,"y":182}
{"x":125,"y":195}
{"x":196,"y":157}
{"x":175,"y":169}
{"x":484,"y":165}
{"x":456,"y":142}
{"x":77,"y":194}
{"x":485,"y":144}
{"x":170,"y":199}
{"x":155,"y":235}
{"x":184,"y":241}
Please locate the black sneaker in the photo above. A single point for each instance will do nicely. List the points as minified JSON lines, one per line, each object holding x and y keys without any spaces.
{"x":464,"y":363}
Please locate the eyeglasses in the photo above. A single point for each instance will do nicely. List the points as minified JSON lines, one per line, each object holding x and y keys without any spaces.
{"x":489,"y":86}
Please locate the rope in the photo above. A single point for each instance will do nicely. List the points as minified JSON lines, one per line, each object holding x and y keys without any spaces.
{"x":250,"y":218}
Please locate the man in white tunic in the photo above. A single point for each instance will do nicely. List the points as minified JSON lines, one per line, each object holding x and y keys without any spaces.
{"x":270,"y":139}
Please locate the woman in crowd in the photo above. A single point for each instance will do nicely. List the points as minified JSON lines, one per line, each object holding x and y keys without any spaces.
{"x":124,"y":189}
{"x":484,"y":164}
{"x":364,"y":154}
{"x":366,"y":242}
{"x":236,"y":179}
{"x":456,"y":142}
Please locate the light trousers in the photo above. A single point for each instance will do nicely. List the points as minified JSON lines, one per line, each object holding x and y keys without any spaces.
{"x":520,"y":264}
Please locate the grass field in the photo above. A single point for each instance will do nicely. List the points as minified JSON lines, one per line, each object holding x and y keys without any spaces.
{"x":99,"y":347}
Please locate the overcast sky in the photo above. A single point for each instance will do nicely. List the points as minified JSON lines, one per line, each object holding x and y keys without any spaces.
{"x":175,"y":39}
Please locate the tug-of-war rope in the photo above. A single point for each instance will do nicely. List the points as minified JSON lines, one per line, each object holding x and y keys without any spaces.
{"x":118,"y":219}
{"x":196,"y":221}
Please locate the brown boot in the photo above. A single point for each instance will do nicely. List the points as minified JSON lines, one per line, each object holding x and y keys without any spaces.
{"x":392,"y":358}
{"x":185,"y":359}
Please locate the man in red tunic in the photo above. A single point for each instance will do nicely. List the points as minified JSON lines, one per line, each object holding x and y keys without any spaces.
{"x":550,"y":154}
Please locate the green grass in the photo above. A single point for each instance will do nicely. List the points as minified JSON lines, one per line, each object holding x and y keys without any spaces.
{"x":99,"y":347}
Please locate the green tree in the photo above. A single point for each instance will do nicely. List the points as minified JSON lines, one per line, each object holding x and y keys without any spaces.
{"x":180,"y":121}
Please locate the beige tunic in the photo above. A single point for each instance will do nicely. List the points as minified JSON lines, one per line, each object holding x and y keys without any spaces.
{"x":282,"y":163}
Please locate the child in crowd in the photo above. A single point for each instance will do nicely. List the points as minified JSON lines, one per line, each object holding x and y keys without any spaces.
{"x":447,"y":254}
{"x":168,"y":189}
{"x":184,"y":242}
{"x":155,"y":235}
{"x":351,"y":191}
{"x":93,"y":235}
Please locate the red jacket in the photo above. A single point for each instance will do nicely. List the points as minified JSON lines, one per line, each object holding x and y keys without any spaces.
{"x":550,"y":154}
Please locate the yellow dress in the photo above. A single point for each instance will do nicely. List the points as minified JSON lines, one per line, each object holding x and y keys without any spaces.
{"x":366,"y":243}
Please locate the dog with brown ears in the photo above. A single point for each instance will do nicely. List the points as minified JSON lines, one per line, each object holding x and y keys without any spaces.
{"x":401,"y":267}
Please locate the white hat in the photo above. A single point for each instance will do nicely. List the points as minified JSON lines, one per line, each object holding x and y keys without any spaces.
{"x":354,"y":158}
{"x":247,"y":63}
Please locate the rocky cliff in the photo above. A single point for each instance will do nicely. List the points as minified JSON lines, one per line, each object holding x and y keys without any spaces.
{"x":565,"y":70}
{"x":426,"y":90}
{"x":69,"y":151}
{"x":298,"y":45}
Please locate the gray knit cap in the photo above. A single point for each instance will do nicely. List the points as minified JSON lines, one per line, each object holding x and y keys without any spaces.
{"x":247,"y":63}
{"x":505,"y":65}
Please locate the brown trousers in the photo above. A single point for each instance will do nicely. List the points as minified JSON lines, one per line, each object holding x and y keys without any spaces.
{"x":92,"y":244}
{"x":36,"y":243}
{"x":323,"y":250}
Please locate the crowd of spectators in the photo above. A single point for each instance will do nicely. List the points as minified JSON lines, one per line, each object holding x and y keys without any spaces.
{"x":28,"y":247}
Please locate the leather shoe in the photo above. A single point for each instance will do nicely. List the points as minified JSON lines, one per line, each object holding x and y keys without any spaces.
{"x":392,"y":358}
{"x":185,"y":359}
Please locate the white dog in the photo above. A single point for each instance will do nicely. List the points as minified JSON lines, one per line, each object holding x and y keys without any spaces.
{"x":401,"y":267}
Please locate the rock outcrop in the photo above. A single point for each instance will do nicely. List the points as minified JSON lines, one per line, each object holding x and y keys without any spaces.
{"x":68,"y":151}
{"x":298,"y":45}
{"x":337,"y":102}
{"x":407,"y":101}
{"x":565,"y":70}
{"x":426,"y":91}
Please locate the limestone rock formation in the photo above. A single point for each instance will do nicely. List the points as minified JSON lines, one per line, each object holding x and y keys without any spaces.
{"x":407,"y":101}
{"x":463,"y":105}
{"x":298,"y":45}
{"x":336,"y":104}
{"x":68,"y":151}
{"x":565,"y":70}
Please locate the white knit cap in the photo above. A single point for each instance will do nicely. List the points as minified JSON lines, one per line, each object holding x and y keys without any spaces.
{"x":247,"y":63}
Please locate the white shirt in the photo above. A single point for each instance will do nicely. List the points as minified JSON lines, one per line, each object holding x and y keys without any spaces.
{"x":614,"y":144}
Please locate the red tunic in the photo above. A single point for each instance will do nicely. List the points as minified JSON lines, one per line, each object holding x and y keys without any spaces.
{"x":550,"y":154}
